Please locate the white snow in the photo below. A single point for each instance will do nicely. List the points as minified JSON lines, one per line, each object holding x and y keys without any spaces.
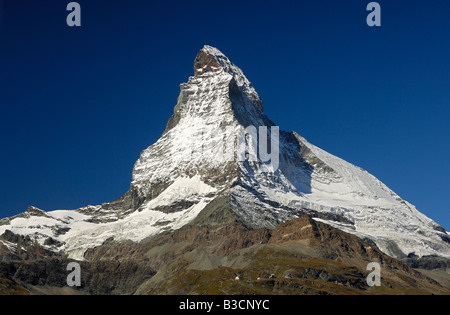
{"x":135,"y":227}
{"x":375,"y":211}
{"x":184,"y":158}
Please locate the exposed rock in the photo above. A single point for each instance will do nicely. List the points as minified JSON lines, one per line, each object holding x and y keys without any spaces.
{"x":427,"y":262}
{"x":205,"y":62}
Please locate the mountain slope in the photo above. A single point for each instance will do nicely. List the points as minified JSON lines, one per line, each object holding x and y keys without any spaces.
{"x":195,"y":162}
{"x":300,"y":256}
{"x":217,"y":254}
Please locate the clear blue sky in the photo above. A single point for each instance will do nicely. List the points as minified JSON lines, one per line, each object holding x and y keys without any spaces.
{"x":78,"y":105}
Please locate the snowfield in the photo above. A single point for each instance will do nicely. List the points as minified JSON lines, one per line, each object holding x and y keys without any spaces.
{"x":83,"y":234}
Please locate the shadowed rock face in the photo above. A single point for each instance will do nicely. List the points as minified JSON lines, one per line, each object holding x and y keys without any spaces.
{"x":205,"y":62}
{"x":49,"y":276}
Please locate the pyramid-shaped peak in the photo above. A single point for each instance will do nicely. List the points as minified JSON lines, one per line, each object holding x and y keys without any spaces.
{"x":210,"y":61}
{"x":212,"y":51}
{"x":194,"y":175}
{"x":207,"y":60}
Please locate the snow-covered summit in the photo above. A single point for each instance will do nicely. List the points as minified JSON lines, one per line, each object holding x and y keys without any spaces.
{"x":184,"y":171}
{"x":210,"y":59}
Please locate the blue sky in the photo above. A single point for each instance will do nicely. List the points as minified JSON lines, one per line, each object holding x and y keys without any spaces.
{"x":78,"y":105}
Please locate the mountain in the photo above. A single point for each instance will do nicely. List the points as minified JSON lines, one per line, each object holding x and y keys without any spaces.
{"x":207,"y":172}
{"x":216,"y":254}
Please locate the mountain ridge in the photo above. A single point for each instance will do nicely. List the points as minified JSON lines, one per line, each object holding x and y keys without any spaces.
{"x":177,"y":177}
{"x":211,"y":255}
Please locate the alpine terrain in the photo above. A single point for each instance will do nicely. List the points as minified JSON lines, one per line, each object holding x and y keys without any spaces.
{"x":210,"y":212}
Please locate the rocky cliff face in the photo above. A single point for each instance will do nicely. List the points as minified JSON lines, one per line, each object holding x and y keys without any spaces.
{"x":196,"y":162}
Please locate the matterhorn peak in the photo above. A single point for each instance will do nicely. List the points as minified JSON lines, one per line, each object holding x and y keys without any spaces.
{"x":207,"y":60}
{"x":211,"y":61}
{"x":189,"y":171}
